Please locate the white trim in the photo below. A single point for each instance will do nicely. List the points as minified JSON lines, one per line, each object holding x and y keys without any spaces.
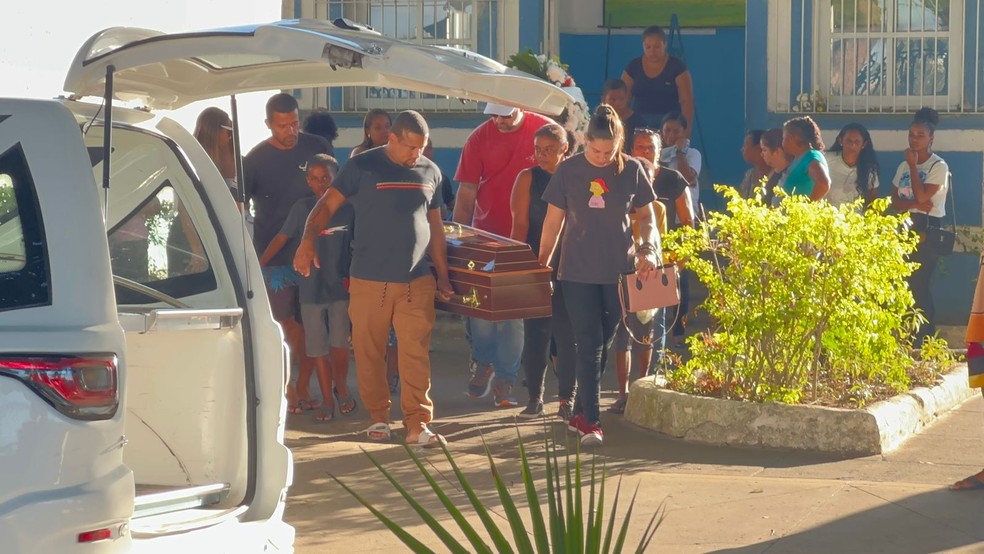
{"x":779,"y":50}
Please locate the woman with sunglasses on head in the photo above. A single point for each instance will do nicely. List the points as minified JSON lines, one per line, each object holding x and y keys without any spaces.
{"x":375,"y":131}
{"x":921,"y":183}
{"x":592,"y":193}
{"x":670,"y":189}
{"x":213,"y":129}
{"x":551,"y":146}
{"x":853,"y":166}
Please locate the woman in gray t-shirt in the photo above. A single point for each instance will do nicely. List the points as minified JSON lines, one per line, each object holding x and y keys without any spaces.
{"x":592,"y":194}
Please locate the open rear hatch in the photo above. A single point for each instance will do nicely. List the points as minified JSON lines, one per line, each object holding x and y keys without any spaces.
{"x":169,"y":71}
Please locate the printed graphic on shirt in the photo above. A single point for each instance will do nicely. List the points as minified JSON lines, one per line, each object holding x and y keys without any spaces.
{"x":333,"y":230}
{"x":399,"y":185}
{"x":597,"y":189}
{"x":905,"y":185}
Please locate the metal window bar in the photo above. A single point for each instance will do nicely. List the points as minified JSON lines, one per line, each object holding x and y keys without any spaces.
{"x":893,"y":56}
{"x":455,"y":23}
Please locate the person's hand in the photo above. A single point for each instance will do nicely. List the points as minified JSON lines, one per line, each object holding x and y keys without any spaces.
{"x":645,"y":264}
{"x":911,"y":157}
{"x":682,"y":144}
{"x":444,"y":290}
{"x":925,"y":206}
{"x":305,"y":255}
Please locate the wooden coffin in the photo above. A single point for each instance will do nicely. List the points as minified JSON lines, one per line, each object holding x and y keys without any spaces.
{"x":494,"y":278}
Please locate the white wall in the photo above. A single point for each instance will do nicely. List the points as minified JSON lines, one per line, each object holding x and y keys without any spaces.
{"x":39,"y":39}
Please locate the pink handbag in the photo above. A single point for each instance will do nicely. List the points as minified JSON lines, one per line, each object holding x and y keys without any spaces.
{"x":659,"y":291}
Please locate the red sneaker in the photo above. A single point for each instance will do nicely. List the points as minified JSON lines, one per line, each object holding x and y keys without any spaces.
{"x":592,"y":436}
{"x":577,"y":424}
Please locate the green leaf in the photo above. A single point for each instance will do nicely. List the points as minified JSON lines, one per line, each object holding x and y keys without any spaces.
{"x":520,"y":535}
{"x":470,"y":533}
{"x":425,"y":515}
{"x":650,"y":532}
{"x":413,"y":544}
{"x":606,"y":548}
{"x":498,"y":539}
{"x":558,"y":529}
{"x":533,"y":500}
{"x":620,"y":541}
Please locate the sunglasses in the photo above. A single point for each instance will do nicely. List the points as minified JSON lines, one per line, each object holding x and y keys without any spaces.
{"x":511,"y":115}
{"x":644,"y":131}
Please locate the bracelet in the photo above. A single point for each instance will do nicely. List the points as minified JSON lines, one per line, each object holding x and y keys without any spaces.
{"x":646,"y":248}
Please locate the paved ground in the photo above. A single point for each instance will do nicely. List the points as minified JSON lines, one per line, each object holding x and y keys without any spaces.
{"x":723,"y":500}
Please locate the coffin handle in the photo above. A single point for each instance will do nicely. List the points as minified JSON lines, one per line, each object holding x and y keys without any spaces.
{"x":471,"y":299}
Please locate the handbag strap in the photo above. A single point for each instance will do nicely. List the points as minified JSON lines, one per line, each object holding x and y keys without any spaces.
{"x":953,"y":203}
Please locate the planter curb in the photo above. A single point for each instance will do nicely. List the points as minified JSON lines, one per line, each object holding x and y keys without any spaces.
{"x":876,"y":429}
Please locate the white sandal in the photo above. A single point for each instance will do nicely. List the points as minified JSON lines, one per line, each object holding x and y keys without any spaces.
{"x":379,"y":432}
{"x":430,"y":439}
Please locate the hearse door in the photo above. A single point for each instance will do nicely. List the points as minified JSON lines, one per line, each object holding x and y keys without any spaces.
{"x":177,"y":300}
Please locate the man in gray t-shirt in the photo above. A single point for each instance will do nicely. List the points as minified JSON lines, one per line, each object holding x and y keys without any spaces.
{"x":274,"y":178}
{"x":394,"y":191}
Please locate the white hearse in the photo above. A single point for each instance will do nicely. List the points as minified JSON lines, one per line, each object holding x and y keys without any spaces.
{"x":141,"y":373}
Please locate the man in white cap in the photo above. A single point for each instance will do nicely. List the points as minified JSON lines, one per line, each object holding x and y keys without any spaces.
{"x":492,"y":157}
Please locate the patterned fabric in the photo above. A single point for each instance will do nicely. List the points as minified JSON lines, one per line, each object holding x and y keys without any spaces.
{"x":975,"y":334}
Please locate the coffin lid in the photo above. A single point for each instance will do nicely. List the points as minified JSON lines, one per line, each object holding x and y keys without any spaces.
{"x":168,"y":71}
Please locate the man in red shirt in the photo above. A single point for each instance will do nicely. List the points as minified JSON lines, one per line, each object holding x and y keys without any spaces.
{"x":491,"y":158}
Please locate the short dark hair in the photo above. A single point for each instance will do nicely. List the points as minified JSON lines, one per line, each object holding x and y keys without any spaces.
{"x":324,"y":160}
{"x":654,"y":31}
{"x":755,"y":135}
{"x":928,"y":118}
{"x":772,"y":138}
{"x":676,"y":116}
{"x":280,"y":103}
{"x":613,"y":84}
{"x":410,"y":121}
{"x":321,"y":123}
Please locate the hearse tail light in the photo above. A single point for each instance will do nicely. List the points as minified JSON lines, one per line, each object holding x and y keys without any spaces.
{"x":80,"y":387}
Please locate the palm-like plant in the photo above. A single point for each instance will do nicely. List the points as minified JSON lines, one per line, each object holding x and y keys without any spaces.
{"x":566,"y":529}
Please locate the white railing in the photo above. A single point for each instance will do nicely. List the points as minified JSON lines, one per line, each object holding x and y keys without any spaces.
{"x":862,"y":56}
{"x":469,"y":24}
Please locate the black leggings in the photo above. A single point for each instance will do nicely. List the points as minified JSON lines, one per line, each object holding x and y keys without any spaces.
{"x":919,"y":284}
{"x":537,"y":335}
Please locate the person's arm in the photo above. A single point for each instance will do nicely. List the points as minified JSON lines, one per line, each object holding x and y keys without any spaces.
{"x":519,"y":204}
{"x":646,"y":260}
{"x":684,"y":209}
{"x":684,"y":165}
{"x":316,"y":222}
{"x":923,"y":192}
{"x":685,"y":91}
{"x":872,"y":190}
{"x":627,"y":79}
{"x":464,"y":204}
{"x":821,"y":180}
{"x":552,"y":224}
{"x":438,"y":250}
{"x":273,"y":248}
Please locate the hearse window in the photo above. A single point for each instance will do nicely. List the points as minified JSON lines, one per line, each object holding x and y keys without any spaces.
{"x":24,"y":270}
{"x":157,"y":245}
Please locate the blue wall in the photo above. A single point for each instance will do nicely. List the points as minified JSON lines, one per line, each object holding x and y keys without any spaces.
{"x":716,"y":62}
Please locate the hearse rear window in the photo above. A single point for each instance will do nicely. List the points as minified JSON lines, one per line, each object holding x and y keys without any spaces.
{"x":24,"y":270}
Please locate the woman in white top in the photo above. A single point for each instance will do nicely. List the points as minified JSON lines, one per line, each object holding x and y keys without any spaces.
{"x":920,"y":188}
{"x":853,"y":166}
{"x":678,"y":154}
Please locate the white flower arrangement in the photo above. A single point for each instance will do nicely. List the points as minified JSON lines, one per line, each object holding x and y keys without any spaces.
{"x":576,"y":117}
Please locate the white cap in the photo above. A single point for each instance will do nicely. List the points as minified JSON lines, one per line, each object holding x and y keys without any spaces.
{"x":498,"y":109}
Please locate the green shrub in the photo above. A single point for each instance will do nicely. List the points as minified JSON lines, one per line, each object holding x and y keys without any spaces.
{"x":806,"y":299}
{"x":567,"y":528}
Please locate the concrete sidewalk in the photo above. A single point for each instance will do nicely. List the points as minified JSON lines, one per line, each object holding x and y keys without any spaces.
{"x":717,"y":499}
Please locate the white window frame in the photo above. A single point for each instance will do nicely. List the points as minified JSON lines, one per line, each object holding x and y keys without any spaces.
{"x":779,"y":44}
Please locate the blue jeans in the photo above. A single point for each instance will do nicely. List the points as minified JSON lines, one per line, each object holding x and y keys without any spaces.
{"x":499,"y":343}
{"x":595,"y":312}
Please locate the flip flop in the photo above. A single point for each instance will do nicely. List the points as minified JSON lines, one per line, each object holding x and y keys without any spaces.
{"x":346,"y":405}
{"x":325,"y":415}
{"x":429,"y":439}
{"x":308,"y":405}
{"x":971,"y":483}
{"x":294,"y":409}
{"x":379,"y":432}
